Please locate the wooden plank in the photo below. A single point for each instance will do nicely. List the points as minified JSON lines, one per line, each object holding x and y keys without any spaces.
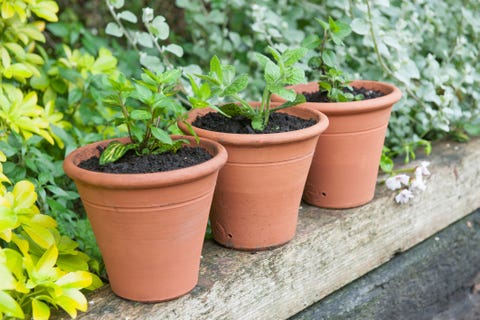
{"x":331,"y":249}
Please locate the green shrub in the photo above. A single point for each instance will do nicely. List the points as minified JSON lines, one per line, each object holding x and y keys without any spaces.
{"x":39,"y":268}
{"x":49,"y":105}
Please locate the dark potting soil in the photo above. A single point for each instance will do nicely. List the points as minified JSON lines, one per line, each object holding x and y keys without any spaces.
{"x":318,"y":96}
{"x":132,"y":163}
{"x":278,"y":122}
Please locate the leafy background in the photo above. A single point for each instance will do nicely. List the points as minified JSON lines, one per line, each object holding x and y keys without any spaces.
{"x":54,"y":57}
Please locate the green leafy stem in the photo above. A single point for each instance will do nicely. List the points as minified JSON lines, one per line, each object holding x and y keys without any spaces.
{"x":332,"y":80}
{"x":221,"y":82}
{"x":149,"y":110}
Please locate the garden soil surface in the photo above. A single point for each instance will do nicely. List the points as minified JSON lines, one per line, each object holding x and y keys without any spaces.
{"x":132,"y":163}
{"x":322,"y":96}
{"x":278,"y":122}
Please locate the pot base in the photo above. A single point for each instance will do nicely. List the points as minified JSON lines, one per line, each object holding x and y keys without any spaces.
{"x":255,"y":249}
{"x":153,"y":299}
{"x":319,"y":202}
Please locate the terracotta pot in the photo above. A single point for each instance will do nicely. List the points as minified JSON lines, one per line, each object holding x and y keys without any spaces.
{"x":345,"y":165}
{"x":149,"y":227}
{"x":258,"y":193}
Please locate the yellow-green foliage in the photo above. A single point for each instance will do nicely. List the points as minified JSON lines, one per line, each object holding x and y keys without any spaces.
{"x":19,"y":34}
{"x":39,"y":268}
{"x":20,"y":112}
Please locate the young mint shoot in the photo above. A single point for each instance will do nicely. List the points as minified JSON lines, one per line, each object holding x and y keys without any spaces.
{"x":222,"y":82}
{"x":331,"y":80}
{"x":149,"y":110}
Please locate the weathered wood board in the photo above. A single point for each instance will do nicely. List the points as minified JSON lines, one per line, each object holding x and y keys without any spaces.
{"x":331,"y":249}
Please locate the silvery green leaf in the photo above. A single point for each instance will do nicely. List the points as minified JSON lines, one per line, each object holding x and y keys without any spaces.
{"x":274,"y":33}
{"x":411,"y":67}
{"x":392,"y":42}
{"x":128,"y":16}
{"x":383,"y":49}
{"x":182,"y":3}
{"x":144,"y":39}
{"x":428,"y":93}
{"x":147,"y":15}
{"x":408,"y":70}
{"x":117,"y":4}
{"x":152,"y":63}
{"x":360,"y":26}
{"x":215,"y":16}
{"x":114,"y":29}
{"x":175,"y":49}
{"x":160,"y":28}
{"x":235,"y":38}
{"x":192,"y":69}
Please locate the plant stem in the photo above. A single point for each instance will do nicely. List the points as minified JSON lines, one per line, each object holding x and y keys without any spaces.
{"x":119,"y":22}
{"x":321,"y":67}
{"x":242,"y":101}
{"x":265,"y":106}
{"x":126,"y":115}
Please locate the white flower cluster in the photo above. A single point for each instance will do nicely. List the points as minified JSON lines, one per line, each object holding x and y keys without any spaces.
{"x":409,"y":186}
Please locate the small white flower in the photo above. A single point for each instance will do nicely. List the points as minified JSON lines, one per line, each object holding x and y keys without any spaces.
{"x":395,"y":182}
{"x":418,"y":184}
{"x":423,"y":168}
{"x":404,"y":196}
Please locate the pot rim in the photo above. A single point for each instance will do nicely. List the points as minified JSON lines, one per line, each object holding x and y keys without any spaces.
{"x":143,"y":180}
{"x":266,"y":138}
{"x":393,"y":95}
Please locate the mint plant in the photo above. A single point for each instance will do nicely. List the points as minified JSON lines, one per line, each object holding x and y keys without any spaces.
{"x":331,"y":80}
{"x":149,"y":110}
{"x":222,"y":82}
